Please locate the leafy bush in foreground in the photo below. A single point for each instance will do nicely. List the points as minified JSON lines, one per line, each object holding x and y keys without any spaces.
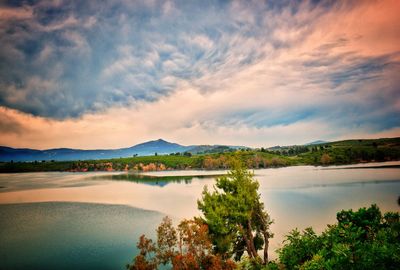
{"x":364,"y":239}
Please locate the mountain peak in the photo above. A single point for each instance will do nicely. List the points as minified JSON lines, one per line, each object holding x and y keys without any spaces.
{"x":159,"y":143}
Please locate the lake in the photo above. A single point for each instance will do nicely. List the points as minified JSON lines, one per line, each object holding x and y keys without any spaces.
{"x":93,"y":220}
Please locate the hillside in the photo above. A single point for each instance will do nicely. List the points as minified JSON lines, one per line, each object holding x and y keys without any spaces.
{"x":160,"y":146}
{"x":332,"y":153}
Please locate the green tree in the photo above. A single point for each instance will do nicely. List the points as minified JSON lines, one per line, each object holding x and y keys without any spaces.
{"x":364,"y":239}
{"x":187,"y":154}
{"x":235,"y":215}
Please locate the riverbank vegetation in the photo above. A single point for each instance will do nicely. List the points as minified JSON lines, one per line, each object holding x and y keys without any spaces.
{"x":333,"y":153}
{"x":234,"y":228}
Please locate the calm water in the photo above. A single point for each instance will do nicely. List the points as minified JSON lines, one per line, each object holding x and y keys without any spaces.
{"x":57,"y":235}
{"x":93,"y":220}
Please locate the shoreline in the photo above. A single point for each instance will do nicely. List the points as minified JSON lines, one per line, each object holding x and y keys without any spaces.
{"x":360,"y":165}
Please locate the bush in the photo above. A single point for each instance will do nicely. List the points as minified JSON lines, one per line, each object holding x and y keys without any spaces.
{"x":360,"y":240}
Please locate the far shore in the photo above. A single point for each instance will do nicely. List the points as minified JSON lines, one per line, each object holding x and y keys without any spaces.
{"x":209,"y":172}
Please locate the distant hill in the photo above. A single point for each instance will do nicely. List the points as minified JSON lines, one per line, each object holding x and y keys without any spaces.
{"x":278,"y":147}
{"x":159,"y":146}
{"x":316,"y":142}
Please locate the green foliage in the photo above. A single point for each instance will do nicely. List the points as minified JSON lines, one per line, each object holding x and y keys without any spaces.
{"x":302,"y":246}
{"x":352,"y":151}
{"x":11,"y":167}
{"x":235,"y":216}
{"x":360,"y":240}
{"x":247,"y":263}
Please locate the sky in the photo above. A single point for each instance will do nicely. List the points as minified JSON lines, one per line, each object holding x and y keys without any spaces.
{"x":111,"y":74}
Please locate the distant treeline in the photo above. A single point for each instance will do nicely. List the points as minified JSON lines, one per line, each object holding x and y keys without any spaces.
{"x":333,"y":153}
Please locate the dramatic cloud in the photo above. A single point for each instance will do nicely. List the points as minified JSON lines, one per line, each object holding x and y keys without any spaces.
{"x":239,"y":72}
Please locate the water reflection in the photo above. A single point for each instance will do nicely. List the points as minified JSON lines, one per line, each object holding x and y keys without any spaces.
{"x":46,"y":180}
{"x":152,"y":180}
